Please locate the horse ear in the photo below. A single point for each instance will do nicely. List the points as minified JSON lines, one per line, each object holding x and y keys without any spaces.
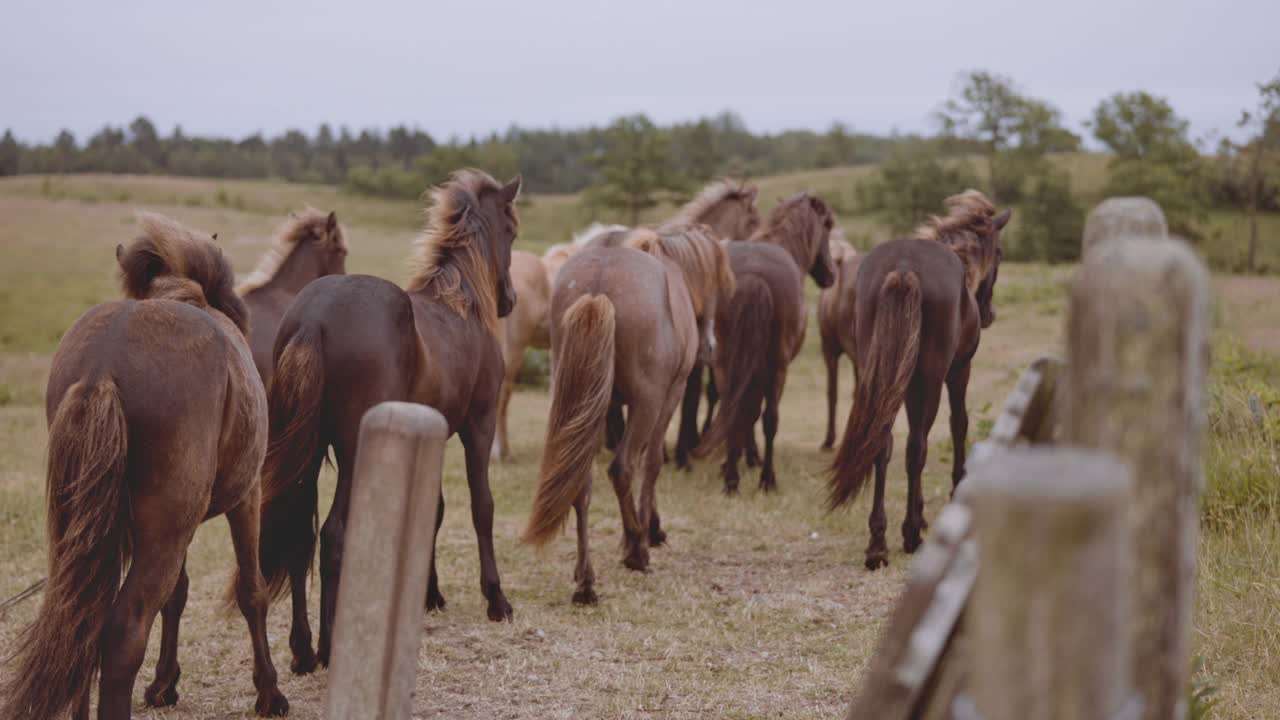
{"x":1003,"y":218}
{"x":215,"y":237}
{"x":511,"y":190}
{"x":120,"y":254}
{"x":331,"y":223}
{"x":750,"y":195}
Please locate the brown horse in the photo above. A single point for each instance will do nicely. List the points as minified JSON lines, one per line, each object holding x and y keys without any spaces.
{"x":350,"y":342}
{"x":920,"y":305}
{"x":309,"y":245}
{"x":829,"y":306}
{"x":761,"y":328}
{"x":157,"y":422}
{"x":625,"y":331}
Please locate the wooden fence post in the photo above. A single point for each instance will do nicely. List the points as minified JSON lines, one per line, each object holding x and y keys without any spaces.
{"x":387,"y":560}
{"x":1047,"y":636}
{"x":1123,"y":217}
{"x":1135,"y":386}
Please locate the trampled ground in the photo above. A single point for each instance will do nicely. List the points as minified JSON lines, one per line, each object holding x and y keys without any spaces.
{"x":759,"y":607}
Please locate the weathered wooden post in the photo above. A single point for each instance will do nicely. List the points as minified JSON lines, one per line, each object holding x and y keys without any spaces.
{"x":388,"y":558}
{"x":1123,"y":217}
{"x":1135,"y":383}
{"x":1049,"y":613}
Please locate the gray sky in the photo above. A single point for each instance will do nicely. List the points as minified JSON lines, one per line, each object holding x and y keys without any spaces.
{"x":471,"y":66}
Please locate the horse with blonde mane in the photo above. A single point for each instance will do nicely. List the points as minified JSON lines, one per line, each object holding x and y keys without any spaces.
{"x":761,"y":328}
{"x":310,"y":244}
{"x":350,"y":342}
{"x":157,"y":422}
{"x":918,"y":309}
{"x":627,"y":324}
{"x":831,"y":302}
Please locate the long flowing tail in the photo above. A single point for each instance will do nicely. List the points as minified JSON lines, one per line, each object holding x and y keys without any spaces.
{"x":58,"y":656}
{"x":882,"y":385}
{"x":746,"y":345}
{"x":581,"y":391}
{"x":289,"y":509}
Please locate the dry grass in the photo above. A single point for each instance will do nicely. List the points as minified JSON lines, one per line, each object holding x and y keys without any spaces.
{"x":758,"y":608}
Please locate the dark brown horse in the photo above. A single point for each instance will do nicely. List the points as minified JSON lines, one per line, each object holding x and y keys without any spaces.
{"x":350,"y":342}
{"x":761,"y":328}
{"x":625,"y":331}
{"x":840,"y":294}
{"x":920,"y":305}
{"x":309,"y":245}
{"x":157,"y":422}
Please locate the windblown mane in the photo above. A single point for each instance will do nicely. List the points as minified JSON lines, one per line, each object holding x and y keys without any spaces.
{"x":695,"y":249}
{"x":448,"y":261}
{"x":171,"y":262}
{"x":713,"y":194}
{"x":306,"y":222}
{"x":793,"y":224}
{"x":965,"y":228}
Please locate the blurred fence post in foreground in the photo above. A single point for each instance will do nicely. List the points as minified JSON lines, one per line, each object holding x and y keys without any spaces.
{"x":388,"y":557}
{"x":1050,"y":608}
{"x":1135,"y":381}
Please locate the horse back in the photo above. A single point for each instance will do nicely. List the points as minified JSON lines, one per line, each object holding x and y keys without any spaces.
{"x":785,"y":282}
{"x":946,"y":304}
{"x":194,"y":409}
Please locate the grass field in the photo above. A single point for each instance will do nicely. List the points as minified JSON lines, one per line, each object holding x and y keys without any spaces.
{"x":758,"y":608}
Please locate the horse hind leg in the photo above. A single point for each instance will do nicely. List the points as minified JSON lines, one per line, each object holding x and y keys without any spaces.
{"x":252,"y":600}
{"x":633,"y":452}
{"x":922,"y":410}
{"x":877,"y":555}
{"x":163,"y":692}
{"x":957,"y":385}
{"x":584,"y":575}
{"x":153,"y":576}
{"x":687,"y":438}
{"x":435,"y":599}
{"x":768,"y":476}
{"x":476,"y":440}
{"x":304,"y":658}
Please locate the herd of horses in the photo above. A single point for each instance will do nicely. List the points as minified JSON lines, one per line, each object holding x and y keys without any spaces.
{"x":194,"y":397}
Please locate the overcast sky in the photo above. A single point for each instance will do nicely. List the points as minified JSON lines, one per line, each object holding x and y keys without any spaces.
{"x":471,"y":66}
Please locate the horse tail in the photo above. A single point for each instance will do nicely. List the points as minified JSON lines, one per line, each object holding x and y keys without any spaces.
{"x":881,"y":386}
{"x":289,"y":510}
{"x":748,"y":340}
{"x":580,"y":394}
{"x":59,"y":655}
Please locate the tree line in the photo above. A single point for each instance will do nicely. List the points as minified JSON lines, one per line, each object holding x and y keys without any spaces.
{"x":633,"y":163}
{"x":402,"y":161}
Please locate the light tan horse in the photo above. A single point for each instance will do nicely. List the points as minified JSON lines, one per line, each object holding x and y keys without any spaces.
{"x":528,"y":324}
{"x":624,"y":330}
{"x":157,"y":422}
{"x":830,"y":301}
{"x":310,"y":244}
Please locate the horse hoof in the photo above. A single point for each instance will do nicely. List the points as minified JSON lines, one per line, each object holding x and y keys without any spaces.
{"x":730,"y":490}
{"x":910,"y":545}
{"x":585,"y":596}
{"x":657,"y":538}
{"x":162,"y":694}
{"x":637,"y":560}
{"x":304,"y":662}
{"x":500,"y":610}
{"x":435,"y":600}
{"x":272,"y":704}
{"x":826,"y":446}
{"x":877,"y":560}
{"x":322,"y":656}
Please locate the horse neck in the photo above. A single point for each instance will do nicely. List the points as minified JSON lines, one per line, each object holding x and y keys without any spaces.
{"x":471,"y":296}
{"x":793,"y":249}
{"x":721,"y":218}
{"x":299,"y":268}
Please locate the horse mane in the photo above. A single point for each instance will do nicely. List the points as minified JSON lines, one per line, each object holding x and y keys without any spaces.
{"x":448,"y":261}
{"x":965,"y":228}
{"x":714,"y":193}
{"x":306,"y":222}
{"x":171,"y":262}
{"x":594,"y":231}
{"x":791,"y":224}
{"x":697,"y":252}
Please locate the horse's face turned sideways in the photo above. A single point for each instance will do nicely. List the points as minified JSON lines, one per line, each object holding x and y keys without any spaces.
{"x":823,"y":270}
{"x":500,"y":216}
{"x":986,"y":290}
